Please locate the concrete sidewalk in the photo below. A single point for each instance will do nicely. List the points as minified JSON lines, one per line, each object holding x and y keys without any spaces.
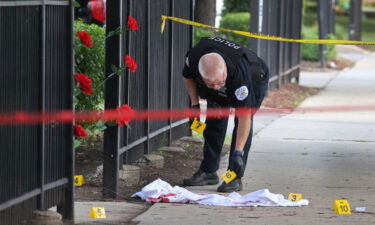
{"x":324,"y":156}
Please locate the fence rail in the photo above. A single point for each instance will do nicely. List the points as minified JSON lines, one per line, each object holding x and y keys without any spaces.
{"x":36,"y":161}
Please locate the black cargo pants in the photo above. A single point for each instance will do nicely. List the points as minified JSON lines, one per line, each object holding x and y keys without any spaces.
{"x":214,"y":136}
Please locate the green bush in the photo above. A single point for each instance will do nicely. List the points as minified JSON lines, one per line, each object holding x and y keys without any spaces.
{"x":310,"y":19}
{"x":90,"y":61}
{"x":233,"y":21}
{"x":310,"y":6}
{"x":312,"y":51}
{"x":200,"y":32}
{"x":231,"y":6}
{"x":236,"y":21}
{"x":341,"y":32}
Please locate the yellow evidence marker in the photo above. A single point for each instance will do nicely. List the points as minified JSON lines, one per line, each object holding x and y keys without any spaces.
{"x":341,"y":207}
{"x":295,"y":197}
{"x":97,"y":213}
{"x":198,"y":126}
{"x":228,"y":176}
{"x":78,"y":180}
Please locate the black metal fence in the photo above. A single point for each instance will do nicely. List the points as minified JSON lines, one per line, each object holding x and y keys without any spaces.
{"x":278,"y":18}
{"x":157,"y":83}
{"x":355,"y":20}
{"x":36,"y":161}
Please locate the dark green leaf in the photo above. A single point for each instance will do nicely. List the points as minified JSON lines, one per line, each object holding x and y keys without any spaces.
{"x":76,"y":4}
{"x":120,"y":73}
{"x":114,"y":68}
{"x":77,"y":143}
{"x":100,"y":125}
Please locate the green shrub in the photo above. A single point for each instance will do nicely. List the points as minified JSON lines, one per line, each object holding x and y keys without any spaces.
{"x":341,"y":32}
{"x":236,"y":21}
{"x":310,"y":6}
{"x":231,"y":6}
{"x":331,"y":49}
{"x":310,"y":19}
{"x":312,"y":51}
{"x":90,"y":61}
{"x":200,"y":32}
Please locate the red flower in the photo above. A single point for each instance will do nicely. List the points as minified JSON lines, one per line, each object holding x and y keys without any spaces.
{"x":84,"y":83}
{"x":98,"y":10}
{"x":130,"y":63}
{"x":132,"y":23}
{"x":79,"y":131}
{"x":126,"y":113}
{"x":85,"y":38}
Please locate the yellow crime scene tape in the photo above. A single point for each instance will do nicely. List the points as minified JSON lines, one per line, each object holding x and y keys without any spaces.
{"x":263,"y":36}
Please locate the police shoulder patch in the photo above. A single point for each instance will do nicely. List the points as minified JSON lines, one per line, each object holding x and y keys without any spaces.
{"x":241,"y":93}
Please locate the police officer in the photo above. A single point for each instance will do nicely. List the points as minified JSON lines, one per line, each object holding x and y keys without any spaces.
{"x":227,"y":75}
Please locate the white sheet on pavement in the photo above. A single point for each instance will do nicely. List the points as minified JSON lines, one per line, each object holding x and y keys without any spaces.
{"x":161,"y":191}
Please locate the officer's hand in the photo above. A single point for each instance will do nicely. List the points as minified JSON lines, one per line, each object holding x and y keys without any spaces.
{"x":236,"y":164}
{"x":198,"y":108}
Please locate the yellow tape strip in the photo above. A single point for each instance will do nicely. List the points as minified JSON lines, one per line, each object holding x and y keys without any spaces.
{"x":264,"y":36}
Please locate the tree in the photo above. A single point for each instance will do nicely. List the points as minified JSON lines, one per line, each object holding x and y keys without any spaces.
{"x":236,"y":6}
{"x":205,"y":12}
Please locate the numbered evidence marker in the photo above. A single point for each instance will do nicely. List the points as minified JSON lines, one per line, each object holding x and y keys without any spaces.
{"x":295,"y":197}
{"x":228,"y":176}
{"x":78,"y":180}
{"x":341,"y":207}
{"x":198,"y":126}
{"x":97,"y":213}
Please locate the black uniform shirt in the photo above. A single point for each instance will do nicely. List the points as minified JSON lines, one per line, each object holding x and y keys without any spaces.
{"x":239,"y":86}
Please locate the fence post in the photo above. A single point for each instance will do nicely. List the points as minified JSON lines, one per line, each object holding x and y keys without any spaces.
{"x":255,"y":9}
{"x":170,"y":82}
{"x":112,"y":91}
{"x":41,"y":167}
{"x":355,"y":20}
{"x":322,"y":14}
{"x":147,"y":96}
{"x":281,"y":45}
{"x":66,"y":208}
{"x":125,"y":86}
{"x":332,"y":17}
{"x":298,"y":36}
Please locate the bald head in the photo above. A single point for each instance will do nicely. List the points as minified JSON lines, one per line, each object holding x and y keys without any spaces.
{"x":211,"y":65}
{"x":213,"y":69}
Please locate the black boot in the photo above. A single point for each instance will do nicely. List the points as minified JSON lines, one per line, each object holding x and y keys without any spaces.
{"x":234,"y":185}
{"x":202,"y":178}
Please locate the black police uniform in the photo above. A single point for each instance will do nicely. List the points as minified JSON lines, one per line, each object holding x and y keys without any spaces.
{"x":246,"y":86}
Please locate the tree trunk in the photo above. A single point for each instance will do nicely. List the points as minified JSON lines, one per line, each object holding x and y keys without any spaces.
{"x":205,"y":12}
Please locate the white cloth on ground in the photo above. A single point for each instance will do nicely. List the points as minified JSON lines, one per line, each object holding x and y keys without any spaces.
{"x":161,"y":191}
